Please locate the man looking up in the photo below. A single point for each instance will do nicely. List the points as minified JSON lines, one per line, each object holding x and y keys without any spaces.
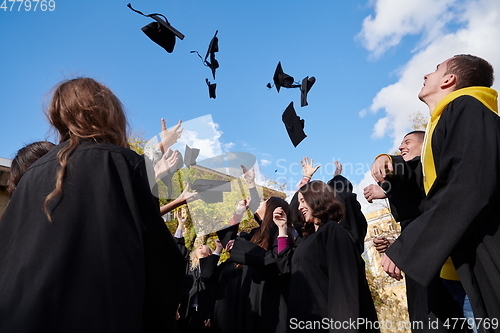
{"x":460,"y":160}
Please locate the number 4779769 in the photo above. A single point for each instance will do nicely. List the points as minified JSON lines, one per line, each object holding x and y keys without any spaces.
{"x":28,"y":5}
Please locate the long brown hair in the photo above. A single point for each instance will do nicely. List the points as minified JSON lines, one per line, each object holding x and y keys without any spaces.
{"x":83,"y":108}
{"x":264,"y":237}
{"x":324,"y":205}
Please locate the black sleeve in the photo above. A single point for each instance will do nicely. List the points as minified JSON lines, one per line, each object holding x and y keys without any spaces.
{"x":247,"y":253}
{"x":164,"y":263}
{"x":342,"y":262}
{"x":466,"y":149}
{"x":354,"y":220}
{"x":181,"y":244}
{"x":404,"y":189}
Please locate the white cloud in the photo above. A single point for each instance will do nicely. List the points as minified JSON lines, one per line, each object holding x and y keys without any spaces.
{"x":265,"y":162}
{"x":478,"y":34}
{"x":228,"y":146}
{"x":395,"y":19}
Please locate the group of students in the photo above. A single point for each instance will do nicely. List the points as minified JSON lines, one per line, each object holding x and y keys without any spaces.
{"x":83,"y":246}
{"x":300,"y":269}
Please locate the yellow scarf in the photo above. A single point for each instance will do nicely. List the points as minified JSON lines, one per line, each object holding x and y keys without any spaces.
{"x":488,"y":97}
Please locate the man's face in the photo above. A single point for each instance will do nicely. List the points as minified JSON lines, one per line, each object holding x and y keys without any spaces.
{"x":432,"y":82}
{"x":410,"y":147}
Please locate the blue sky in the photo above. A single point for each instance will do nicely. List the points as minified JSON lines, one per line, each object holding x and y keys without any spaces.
{"x":368,"y":57}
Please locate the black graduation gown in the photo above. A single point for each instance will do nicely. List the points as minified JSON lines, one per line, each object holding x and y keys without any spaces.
{"x":431,"y":304}
{"x":202,"y":292}
{"x":229,"y":295}
{"x":405,"y":189}
{"x":462,"y":209}
{"x":107,"y":262}
{"x":328,"y":281}
{"x":264,"y":306}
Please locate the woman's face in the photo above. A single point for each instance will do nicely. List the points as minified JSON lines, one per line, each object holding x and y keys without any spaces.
{"x":261,"y":210}
{"x":305,"y":209}
{"x":202,"y":251}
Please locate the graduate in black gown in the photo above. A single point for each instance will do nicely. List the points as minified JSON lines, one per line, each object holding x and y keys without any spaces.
{"x":459,"y":227}
{"x":83,"y":247}
{"x":264,"y":288}
{"x":404,"y":189}
{"x":328,"y":285}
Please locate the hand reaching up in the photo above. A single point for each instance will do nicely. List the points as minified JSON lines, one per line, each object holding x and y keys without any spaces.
{"x":169,"y":137}
{"x":308,"y":168}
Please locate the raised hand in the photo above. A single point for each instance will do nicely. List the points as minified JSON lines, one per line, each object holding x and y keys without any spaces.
{"x":166,"y":163}
{"x":280,"y":219}
{"x":180,"y":219}
{"x":169,"y":137}
{"x":218,"y":246}
{"x":308,"y":168}
{"x":338,"y":168}
{"x":249,"y":175}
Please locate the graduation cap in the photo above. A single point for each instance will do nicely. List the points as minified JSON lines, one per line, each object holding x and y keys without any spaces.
{"x":227,"y":234}
{"x":294,"y":125}
{"x":160,"y":32}
{"x":211,"y":190}
{"x":281,"y":79}
{"x":306,"y":85}
{"x":211,"y":88}
{"x":190,"y":155}
{"x":212,"y":48}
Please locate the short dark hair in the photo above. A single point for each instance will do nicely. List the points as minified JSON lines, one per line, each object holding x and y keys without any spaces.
{"x":470,"y":71}
{"x":419,"y":134}
{"x":324,"y":205}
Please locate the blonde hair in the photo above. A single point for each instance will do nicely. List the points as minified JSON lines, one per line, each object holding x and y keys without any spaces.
{"x":83,"y":108}
{"x":195,"y":261}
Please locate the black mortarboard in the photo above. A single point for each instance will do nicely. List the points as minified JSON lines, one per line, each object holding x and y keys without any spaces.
{"x":211,"y":190}
{"x":307,"y":84}
{"x":294,"y":125}
{"x":281,"y":79}
{"x":211,"y":89}
{"x":160,"y":32}
{"x":212,"y":48}
{"x":227,"y":234}
{"x":190,"y":155}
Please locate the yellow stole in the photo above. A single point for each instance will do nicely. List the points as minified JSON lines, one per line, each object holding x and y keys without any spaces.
{"x":488,"y":97}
